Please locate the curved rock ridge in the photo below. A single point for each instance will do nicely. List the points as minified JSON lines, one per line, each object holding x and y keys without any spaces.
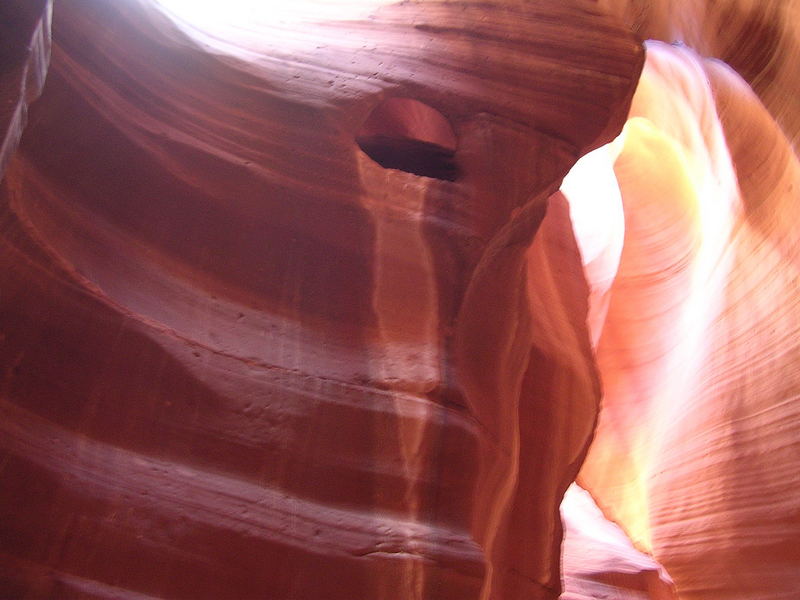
{"x":759,"y":40}
{"x":241,"y":359}
{"x":697,"y":445}
{"x":24,"y":56}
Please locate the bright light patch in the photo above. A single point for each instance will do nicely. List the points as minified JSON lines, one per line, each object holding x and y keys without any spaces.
{"x":247,"y":28}
{"x":207,"y":15}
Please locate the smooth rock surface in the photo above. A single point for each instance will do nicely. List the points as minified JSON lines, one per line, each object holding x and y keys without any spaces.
{"x":760,"y":40}
{"x":243,"y":360}
{"x":298,"y":306}
{"x":698,"y":443}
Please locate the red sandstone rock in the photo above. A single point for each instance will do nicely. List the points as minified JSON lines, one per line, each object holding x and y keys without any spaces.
{"x":242,"y":359}
{"x":24,"y":54}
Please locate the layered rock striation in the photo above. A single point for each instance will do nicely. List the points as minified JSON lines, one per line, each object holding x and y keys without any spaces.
{"x":243,"y":358}
{"x":696,"y":342}
{"x":329,"y":302}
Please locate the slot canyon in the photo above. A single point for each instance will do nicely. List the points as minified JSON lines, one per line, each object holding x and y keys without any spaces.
{"x":400,"y":300}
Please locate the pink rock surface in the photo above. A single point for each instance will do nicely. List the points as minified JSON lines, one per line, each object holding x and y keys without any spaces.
{"x":759,"y":40}
{"x":599,"y":560}
{"x":697,"y":444}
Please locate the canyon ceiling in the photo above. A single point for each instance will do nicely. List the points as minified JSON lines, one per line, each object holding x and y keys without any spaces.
{"x":407,"y":301}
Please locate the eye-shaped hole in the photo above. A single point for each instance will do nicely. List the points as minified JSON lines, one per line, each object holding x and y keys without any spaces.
{"x":408,"y":135}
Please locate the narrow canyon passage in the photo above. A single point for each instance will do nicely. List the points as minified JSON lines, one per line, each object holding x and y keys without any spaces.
{"x":399,"y":300}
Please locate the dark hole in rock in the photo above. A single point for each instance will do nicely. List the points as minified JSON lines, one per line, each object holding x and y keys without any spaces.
{"x":408,"y":135}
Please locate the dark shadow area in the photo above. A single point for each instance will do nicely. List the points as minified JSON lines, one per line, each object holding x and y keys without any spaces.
{"x":408,"y":135}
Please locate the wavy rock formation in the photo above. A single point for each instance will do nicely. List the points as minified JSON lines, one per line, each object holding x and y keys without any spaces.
{"x":690,"y":251}
{"x":242,"y":358}
{"x":760,"y":40}
{"x":24,"y":55}
{"x":294,"y":302}
{"x":697,"y":343}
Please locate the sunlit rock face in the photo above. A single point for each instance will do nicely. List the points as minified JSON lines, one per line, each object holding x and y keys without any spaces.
{"x":696,"y":451}
{"x":255,"y":347}
{"x":599,"y":560}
